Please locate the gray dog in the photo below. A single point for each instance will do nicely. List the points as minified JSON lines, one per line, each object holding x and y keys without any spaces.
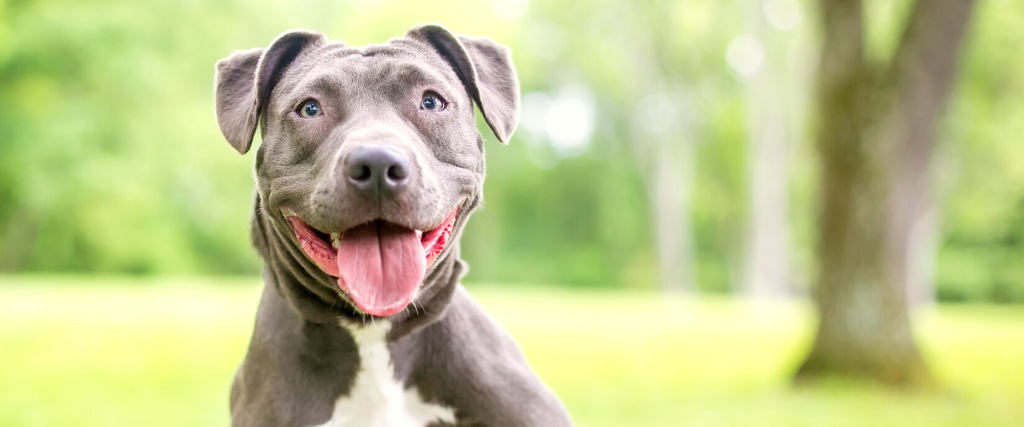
{"x":370,"y":165}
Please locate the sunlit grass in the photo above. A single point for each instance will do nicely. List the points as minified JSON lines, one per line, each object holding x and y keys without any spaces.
{"x":98,"y":352}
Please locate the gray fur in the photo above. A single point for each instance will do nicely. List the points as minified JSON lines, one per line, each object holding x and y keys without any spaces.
{"x":300,"y":360}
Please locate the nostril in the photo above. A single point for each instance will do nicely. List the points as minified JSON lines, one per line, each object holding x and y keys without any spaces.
{"x":361,"y":173}
{"x":397,"y":172}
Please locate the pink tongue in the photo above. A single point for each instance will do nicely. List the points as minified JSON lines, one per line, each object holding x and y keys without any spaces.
{"x":381,"y":265}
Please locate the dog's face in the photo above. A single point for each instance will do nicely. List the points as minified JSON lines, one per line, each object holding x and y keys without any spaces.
{"x":370,"y":157}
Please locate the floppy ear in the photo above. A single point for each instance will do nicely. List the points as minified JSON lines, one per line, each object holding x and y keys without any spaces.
{"x":486,"y":71}
{"x":243,"y":82}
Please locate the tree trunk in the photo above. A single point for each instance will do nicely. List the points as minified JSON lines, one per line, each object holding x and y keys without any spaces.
{"x":768,"y":256}
{"x":663,"y":147}
{"x":672,"y":176}
{"x":665,"y":158}
{"x":875,"y":142}
{"x":773,"y":112}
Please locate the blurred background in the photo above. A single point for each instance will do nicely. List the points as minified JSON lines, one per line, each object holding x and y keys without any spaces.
{"x":651,"y":234}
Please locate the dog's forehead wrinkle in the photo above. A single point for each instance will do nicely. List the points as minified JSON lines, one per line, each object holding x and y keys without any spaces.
{"x":407,"y":71}
{"x":398,"y":59}
{"x":317,"y":84}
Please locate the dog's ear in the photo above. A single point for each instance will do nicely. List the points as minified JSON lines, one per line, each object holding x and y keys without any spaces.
{"x":243,"y":82}
{"x":485,"y":69}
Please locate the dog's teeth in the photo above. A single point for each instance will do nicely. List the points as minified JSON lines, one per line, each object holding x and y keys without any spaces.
{"x":335,"y":240}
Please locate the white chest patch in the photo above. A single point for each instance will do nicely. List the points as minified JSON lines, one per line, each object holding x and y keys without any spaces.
{"x":376,"y":398}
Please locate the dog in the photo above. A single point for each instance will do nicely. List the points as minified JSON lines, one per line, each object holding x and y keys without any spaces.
{"x":370,"y":164}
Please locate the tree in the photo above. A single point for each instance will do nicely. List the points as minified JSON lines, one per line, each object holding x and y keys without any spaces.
{"x":663,"y":147}
{"x":875,"y":141}
{"x":776,"y":105}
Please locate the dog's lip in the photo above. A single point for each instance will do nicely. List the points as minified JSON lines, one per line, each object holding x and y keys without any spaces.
{"x":324,"y":244}
{"x":288,"y":213}
{"x":290,"y":216}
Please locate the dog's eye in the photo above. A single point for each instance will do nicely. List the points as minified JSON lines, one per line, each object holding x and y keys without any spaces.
{"x":310,"y":108}
{"x":432,"y":102}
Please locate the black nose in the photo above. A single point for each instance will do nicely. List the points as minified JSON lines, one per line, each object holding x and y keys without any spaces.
{"x":378,"y":170}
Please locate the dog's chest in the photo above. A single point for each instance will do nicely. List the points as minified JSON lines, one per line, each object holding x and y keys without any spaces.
{"x":377,"y":399}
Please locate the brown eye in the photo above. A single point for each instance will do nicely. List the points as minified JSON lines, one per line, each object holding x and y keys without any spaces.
{"x":310,"y":108}
{"x":432,"y":102}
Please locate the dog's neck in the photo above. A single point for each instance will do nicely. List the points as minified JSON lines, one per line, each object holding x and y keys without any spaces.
{"x":312,"y":294}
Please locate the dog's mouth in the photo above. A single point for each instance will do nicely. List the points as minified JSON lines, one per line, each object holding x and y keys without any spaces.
{"x":379,"y":264}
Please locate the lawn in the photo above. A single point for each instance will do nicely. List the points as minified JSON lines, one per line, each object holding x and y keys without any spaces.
{"x":162,"y":352}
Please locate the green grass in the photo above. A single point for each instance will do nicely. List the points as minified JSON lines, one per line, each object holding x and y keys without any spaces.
{"x":162,"y":352}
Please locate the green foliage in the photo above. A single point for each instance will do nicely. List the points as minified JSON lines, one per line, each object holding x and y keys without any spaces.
{"x":982,"y":252}
{"x":111,"y":160}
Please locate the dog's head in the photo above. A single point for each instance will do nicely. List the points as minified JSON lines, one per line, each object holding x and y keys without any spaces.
{"x":371,"y":158}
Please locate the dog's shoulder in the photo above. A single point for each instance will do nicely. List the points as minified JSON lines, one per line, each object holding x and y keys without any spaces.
{"x":465,"y":349}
